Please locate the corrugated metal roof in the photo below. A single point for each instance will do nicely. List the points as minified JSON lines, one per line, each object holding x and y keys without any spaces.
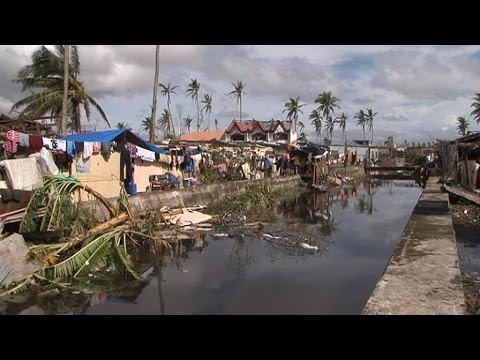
{"x":4,"y":271}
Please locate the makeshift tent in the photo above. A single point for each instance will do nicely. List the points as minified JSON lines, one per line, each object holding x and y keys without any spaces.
{"x":114,"y":135}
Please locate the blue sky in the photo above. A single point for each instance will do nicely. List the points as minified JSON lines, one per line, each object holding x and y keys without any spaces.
{"x":417,"y":91}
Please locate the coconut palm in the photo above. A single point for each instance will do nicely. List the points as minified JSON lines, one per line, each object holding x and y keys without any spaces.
{"x":293,"y":107}
{"x":188,"y":122}
{"x":167,"y":90}
{"x":463,"y":125}
{"x":476,"y":107}
{"x":208,"y":107}
{"x":164,"y":122}
{"x":151,"y":131}
{"x":329,"y":126}
{"x":301,"y":126}
{"x":361,"y":120}
{"x":316,"y":118}
{"x":216,"y":124}
{"x":236,"y":94}
{"x":147,"y":124}
{"x":193,"y":90}
{"x":369,"y":120}
{"x":44,"y":79}
{"x":342,"y":124}
{"x":327,"y":104}
{"x":121,"y":125}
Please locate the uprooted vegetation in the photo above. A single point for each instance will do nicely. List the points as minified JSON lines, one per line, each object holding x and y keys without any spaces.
{"x":81,"y":244}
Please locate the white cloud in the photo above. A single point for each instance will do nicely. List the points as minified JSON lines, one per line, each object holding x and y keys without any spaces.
{"x":417,"y":91}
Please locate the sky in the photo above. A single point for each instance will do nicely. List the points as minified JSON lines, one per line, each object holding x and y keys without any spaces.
{"x":417,"y":91}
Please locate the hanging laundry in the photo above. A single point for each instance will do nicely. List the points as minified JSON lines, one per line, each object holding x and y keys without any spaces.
{"x":145,"y":154}
{"x":36,"y":142}
{"x":70,"y":149}
{"x":12,"y":141}
{"x":61,"y":144}
{"x":132,"y":150}
{"x":97,"y":147}
{"x":79,"y":146}
{"x":87,"y":149}
{"x":106,"y":148}
{"x":23,"y":140}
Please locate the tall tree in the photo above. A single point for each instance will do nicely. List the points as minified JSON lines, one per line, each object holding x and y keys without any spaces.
{"x":293,"y":107}
{"x":122,"y":125}
{"x":329,"y":126}
{"x":361,"y":120}
{"x":147,"y":125}
{"x":188,"y":122}
{"x":155,"y":87}
{"x":316,"y":118}
{"x":208,"y":107}
{"x":476,"y":108}
{"x":301,"y":126}
{"x":44,"y":79}
{"x":193,"y":90}
{"x":327,"y":104}
{"x":66,"y":63}
{"x":236,"y":94}
{"x":164,"y":123}
{"x":369,"y":120}
{"x":463,"y":125}
{"x":342,"y":124}
{"x":167,"y":90}
{"x":216,"y":124}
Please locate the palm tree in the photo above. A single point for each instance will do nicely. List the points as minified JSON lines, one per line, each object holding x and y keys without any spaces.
{"x":66,"y":64}
{"x":236,"y":94}
{"x":476,"y":106}
{"x":342,"y":124}
{"x":188,"y":122}
{"x":44,"y":79}
{"x":193,"y":90}
{"x":208,"y":107}
{"x":328,"y":103}
{"x":122,"y":125}
{"x":167,"y":91}
{"x":293,"y":107}
{"x":329,"y":127}
{"x":463,"y":125}
{"x":164,"y":122}
{"x":362,"y":121}
{"x":316,"y":118}
{"x":301,"y":126}
{"x":369,"y":120}
{"x":147,"y":125}
{"x":155,"y":87}
{"x":216,"y":124}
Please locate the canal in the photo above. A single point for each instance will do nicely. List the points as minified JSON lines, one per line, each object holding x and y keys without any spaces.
{"x":351,"y":234}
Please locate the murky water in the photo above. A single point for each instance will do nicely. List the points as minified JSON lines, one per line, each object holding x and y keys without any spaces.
{"x":353,"y":233}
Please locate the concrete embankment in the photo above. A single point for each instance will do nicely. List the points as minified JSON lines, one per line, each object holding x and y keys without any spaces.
{"x":196,"y":195}
{"x":423,"y":275}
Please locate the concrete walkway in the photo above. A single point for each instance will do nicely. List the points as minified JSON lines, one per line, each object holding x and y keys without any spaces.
{"x":423,"y":275}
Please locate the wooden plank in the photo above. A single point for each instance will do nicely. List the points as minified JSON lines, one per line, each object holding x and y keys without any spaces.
{"x":466,"y":194}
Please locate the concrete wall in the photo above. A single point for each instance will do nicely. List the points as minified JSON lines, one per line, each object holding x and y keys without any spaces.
{"x":104,"y":174}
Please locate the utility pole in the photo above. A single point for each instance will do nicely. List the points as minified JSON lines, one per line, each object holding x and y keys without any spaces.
{"x":66,"y":61}
{"x":155,"y":87}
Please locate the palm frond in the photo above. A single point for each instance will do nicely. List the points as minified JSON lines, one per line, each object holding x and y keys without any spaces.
{"x":22,"y":286}
{"x":83,"y":259}
{"x":28,"y":223}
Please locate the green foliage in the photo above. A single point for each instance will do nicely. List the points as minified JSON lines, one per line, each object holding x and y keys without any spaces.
{"x":253,"y":195}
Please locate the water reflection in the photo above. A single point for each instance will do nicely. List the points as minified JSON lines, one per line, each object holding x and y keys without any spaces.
{"x":353,"y":230}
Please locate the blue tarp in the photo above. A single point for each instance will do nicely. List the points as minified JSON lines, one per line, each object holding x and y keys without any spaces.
{"x":114,"y":135}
